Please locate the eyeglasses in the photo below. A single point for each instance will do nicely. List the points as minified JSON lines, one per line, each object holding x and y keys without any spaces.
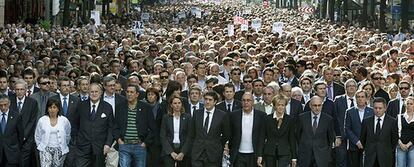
{"x":406,"y":88}
{"x":376,"y":78}
{"x":164,"y":77}
{"x":45,"y":83}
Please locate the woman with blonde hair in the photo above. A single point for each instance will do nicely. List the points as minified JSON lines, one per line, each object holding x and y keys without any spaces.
{"x":405,"y":149}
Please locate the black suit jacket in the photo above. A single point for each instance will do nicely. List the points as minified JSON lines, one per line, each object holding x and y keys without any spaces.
{"x":393,"y":108}
{"x":382,"y":93}
{"x":97,"y":132}
{"x":236,"y":132}
{"x":143,"y":121}
{"x":72,"y":104}
{"x":121,"y":103}
{"x":28,"y":115}
{"x":328,"y":107}
{"x":295,"y":108}
{"x":213,"y":141}
{"x":338,"y":115}
{"x":279,"y":141}
{"x":239,"y":94}
{"x":167,"y":134}
{"x":338,"y":89}
{"x":320,"y":142}
{"x":237,"y":105}
{"x":188,"y":106}
{"x":353,"y":125}
{"x":11,"y":141}
{"x":380,"y":146}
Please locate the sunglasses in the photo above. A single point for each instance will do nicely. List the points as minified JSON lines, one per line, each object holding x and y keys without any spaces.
{"x":164,"y":77}
{"x":376,"y":78}
{"x":405,"y":88}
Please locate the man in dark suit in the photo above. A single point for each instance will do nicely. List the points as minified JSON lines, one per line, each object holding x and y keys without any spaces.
{"x":68,"y":104}
{"x":332,"y":89}
{"x":306,"y":86}
{"x":293,"y":107}
{"x":354,"y":118}
{"x":29,"y":76}
{"x":42,"y":96}
{"x":397,"y":105}
{"x":210,"y":132}
{"x":343,"y":102}
{"x":12,"y":134}
{"x":235,"y":79}
{"x":315,"y":134}
{"x":289,"y":76}
{"x":4,"y":83}
{"x":94,"y":129}
{"x":379,"y":136}
{"x":248,"y":87}
{"x":266,"y":105}
{"x":328,"y":105}
{"x":26,"y":108}
{"x":115,"y":65}
{"x":83,"y":88}
{"x":229,"y":104}
{"x":136,"y":135}
{"x":194,"y":102}
{"x":247,"y":131}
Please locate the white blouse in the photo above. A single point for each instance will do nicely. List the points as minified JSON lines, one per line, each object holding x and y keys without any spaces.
{"x":45,"y":132}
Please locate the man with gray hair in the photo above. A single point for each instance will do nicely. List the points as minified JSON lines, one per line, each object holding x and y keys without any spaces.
{"x":342,"y":103}
{"x":266,"y":104}
{"x":27,"y":109}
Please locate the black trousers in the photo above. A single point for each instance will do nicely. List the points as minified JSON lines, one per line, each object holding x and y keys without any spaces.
{"x":88,"y":158}
{"x":277,"y":161}
{"x":5,"y":163}
{"x":154,"y":156}
{"x":28,"y":154}
{"x":170,"y":162}
{"x":245,"y":160}
{"x":355,"y":158}
{"x":71,"y":156}
{"x":203,"y":161}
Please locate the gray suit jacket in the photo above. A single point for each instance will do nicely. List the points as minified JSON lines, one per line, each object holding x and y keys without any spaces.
{"x":260,"y":106}
{"x":41,"y":104}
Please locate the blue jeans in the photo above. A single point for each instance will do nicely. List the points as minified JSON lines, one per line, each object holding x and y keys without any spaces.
{"x":127,"y":152}
{"x":405,"y":158}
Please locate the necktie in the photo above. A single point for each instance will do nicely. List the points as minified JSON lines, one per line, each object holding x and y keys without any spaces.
{"x":3,"y":123}
{"x":228,"y":107}
{"x":314,"y":124}
{"x":19,"y":106}
{"x":29,"y":92}
{"x":330,"y":92}
{"x":403,"y":107}
{"x":258,"y":99}
{"x":352,"y":102}
{"x":378,"y":127}
{"x":93,"y":113}
{"x":194,"y":108}
{"x":206,"y":122}
{"x":65,"y":105}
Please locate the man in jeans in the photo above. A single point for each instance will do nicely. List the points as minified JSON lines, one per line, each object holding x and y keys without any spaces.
{"x":135,"y":125}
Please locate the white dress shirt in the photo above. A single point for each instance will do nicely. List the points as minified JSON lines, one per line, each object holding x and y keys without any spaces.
{"x":361,"y":112}
{"x":96,"y":106}
{"x":210,"y":117}
{"x":20,"y":100}
{"x":111,"y":101}
{"x":306,"y":97}
{"x":381,"y":122}
{"x":288,"y":108}
{"x":348,"y":101}
{"x":246,"y":142}
{"x":176,"y":127}
{"x":231,"y":104}
{"x":268,"y":108}
{"x":192,"y":109}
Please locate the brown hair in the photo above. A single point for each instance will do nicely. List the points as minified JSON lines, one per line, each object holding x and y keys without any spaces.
{"x":170,"y":100}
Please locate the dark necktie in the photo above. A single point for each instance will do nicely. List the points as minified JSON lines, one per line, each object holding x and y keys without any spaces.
{"x":65,"y":105}
{"x":19,"y":106}
{"x":206,"y":122}
{"x":258,"y":99}
{"x":93,"y":113}
{"x":352,"y":102}
{"x":378,"y":126}
{"x":3,"y":123}
{"x":228,"y":107}
{"x":194,"y":108}
{"x":29,"y":92}
{"x":314,"y":124}
{"x":403,"y":107}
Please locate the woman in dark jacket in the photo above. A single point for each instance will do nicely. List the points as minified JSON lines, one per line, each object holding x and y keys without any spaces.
{"x":280,"y":143}
{"x":174,"y":134}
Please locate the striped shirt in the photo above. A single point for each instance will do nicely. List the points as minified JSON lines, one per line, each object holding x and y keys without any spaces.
{"x":131,"y":134}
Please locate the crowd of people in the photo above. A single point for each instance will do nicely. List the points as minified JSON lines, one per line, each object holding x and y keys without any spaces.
{"x":193,"y":91}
